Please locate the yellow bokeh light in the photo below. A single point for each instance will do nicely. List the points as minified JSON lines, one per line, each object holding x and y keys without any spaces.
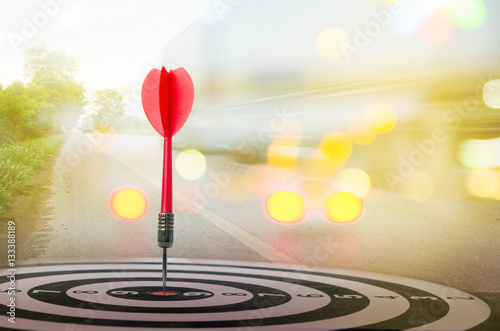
{"x":479,"y":153}
{"x":190,"y":164}
{"x":129,"y":204}
{"x":380,"y":117}
{"x":336,"y":146}
{"x":286,"y":207}
{"x":343,"y":207}
{"x":355,"y":181}
{"x":483,"y":183}
{"x":419,"y":187}
{"x":332,"y":43}
{"x":359,"y":132}
{"x":283,"y":154}
{"x":491,"y":93}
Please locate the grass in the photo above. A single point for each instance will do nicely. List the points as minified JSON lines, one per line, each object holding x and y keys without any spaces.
{"x":19,"y":163}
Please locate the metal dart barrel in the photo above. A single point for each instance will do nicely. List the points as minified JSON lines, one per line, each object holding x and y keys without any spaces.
{"x":165,"y":230}
{"x":165,"y":240}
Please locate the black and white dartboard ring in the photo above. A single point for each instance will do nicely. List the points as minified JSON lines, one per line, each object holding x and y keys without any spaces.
{"x":229,"y":295}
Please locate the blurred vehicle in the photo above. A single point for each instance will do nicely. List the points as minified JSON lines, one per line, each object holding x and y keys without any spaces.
{"x":275,"y":94}
{"x":87,"y":124}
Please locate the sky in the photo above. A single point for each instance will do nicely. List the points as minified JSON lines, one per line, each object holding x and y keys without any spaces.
{"x":115,"y":42}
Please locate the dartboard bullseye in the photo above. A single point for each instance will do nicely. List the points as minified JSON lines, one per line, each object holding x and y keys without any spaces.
{"x":229,"y":295}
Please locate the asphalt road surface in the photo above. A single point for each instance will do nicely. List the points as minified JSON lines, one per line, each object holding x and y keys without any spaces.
{"x":453,"y":242}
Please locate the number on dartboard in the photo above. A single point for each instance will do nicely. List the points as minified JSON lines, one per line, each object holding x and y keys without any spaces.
{"x":460,"y":298}
{"x":348,"y":296}
{"x":386,"y":296}
{"x":310,"y":295}
{"x":193,"y":294}
{"x":270,"y":294}
{"x":124,"y":292}
{"x":85,"y":292}
{"x":45,"y":291}
{"x":234,"y":294}
{"x":416,"y":297}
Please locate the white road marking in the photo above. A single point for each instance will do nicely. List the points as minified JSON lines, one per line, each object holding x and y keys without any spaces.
{"x":265,"y":250}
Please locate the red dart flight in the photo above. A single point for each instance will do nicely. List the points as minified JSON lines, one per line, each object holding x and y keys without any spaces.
{"x":167,"y":99}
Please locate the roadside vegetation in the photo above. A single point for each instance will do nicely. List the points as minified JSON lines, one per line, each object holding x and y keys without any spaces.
{"x":19,"y":163}
{"x":33,"y":112}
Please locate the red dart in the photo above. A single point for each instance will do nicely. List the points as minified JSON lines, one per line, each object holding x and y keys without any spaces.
{"x":167,"y":99}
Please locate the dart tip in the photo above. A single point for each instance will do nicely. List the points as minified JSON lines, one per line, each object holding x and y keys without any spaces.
{"x":164,"y":270}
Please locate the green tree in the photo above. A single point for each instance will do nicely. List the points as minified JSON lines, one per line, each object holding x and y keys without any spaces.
{"x":109,"y":108}
{"x":54,"y":71}
{"x":24,"y":111}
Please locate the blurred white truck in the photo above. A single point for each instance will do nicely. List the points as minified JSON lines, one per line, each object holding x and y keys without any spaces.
{"x":87,"y":124}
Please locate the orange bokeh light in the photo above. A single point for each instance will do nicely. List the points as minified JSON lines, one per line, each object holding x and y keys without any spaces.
{"x":129,"y":204}
{"x":343,"y":207}
{"x":286,"y":207}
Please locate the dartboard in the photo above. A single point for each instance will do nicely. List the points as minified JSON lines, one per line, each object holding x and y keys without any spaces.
{"x":227,"y":295}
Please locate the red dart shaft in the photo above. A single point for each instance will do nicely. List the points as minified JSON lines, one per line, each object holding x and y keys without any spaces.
{"x":166,"y":194}
{"x":166,"y":217}
{"x":166,"y":106}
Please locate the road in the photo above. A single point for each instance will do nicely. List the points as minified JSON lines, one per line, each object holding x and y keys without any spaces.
{"x":448,"y":241}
